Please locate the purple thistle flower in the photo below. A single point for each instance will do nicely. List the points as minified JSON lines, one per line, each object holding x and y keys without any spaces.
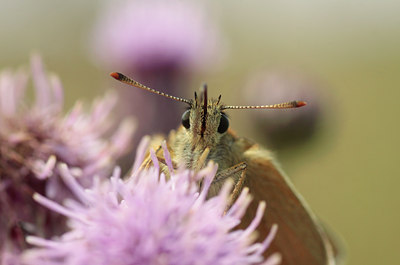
{"x":137,"y":35}
{"x":34,"y":139}
{"x":148,"y":219}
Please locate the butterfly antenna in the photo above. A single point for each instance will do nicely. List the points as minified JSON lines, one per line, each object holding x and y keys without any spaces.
{"x":219,"y":99}
{"x":124,"y":79}
{"x":286,"y":105}
{"x":204,"y":98}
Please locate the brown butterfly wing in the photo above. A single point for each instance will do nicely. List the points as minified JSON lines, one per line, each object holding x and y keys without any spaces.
{"x":300,"y":239}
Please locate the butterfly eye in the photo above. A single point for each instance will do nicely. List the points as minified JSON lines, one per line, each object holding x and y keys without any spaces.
{"x":223,"y":123}
{"x":185,"y":119}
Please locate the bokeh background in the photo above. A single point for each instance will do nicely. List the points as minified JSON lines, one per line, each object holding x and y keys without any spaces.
{"x":345,"y":54}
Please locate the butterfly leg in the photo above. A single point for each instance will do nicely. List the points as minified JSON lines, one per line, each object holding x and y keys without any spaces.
{"x":237,"y":189}
{"x":202,"y":160}
{"x":147,"y":162}
{"x":237,"y":173}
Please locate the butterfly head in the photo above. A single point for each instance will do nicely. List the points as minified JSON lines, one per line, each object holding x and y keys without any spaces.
{"x":204,"y":120}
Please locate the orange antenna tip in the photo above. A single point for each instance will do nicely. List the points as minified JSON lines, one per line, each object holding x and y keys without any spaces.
{"x":300,"y":104}
{"x":116,"y":75}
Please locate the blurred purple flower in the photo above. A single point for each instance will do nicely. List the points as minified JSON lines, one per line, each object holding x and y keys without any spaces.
{"x":285,"y":128}
{"x":147,"y":219}
{"x":161,"y":44}
{"x":34,"y":138}
{"x":136,"y":35}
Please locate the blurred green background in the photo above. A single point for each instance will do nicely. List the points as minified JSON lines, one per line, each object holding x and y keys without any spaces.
{"x":349,"y":173}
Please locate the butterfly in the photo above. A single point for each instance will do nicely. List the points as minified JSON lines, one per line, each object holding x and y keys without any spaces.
{"x":205,"y":135}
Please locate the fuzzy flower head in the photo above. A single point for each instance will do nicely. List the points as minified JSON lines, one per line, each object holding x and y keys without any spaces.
{"x":148,"y":219}
{"x":35,"y":137}
{"x":142,"y":34}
